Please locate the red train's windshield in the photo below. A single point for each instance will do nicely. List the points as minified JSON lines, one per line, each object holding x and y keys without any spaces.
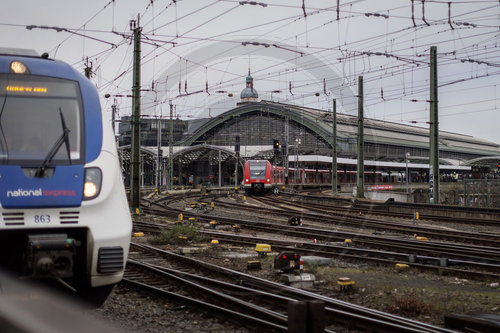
{"x":257,"y":169}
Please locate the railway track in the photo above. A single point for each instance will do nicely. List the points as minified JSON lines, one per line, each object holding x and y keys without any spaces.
{"x":149,"y":272}
{"x":416,"y":259}
{"x":240,"y":296}
{"x":356,"y":221}
{"x":484,"y":260}
{"x":326,"y":203}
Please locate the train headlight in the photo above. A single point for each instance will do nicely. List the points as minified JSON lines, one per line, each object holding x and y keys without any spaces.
{"x":92,"y":185}
{"x":18,"y":67}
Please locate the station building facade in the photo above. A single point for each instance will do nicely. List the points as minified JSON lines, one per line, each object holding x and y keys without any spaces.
{"x":203,"y":149}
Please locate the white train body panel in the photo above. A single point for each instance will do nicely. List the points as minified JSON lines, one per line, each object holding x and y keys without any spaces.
{"x":64,"y":212}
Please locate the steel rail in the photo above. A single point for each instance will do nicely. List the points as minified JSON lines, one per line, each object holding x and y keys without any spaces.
{"x":356,"y":221}
{"x":202,"y":304}
{"x":381,"y":209}
{"x":342,"y":312}
{"x":327,"y":250}
{"x":483,"y":256}
{"x":273,"y":319}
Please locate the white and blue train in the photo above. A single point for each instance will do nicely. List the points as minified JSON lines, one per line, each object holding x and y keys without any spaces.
{"x":64,"y":213}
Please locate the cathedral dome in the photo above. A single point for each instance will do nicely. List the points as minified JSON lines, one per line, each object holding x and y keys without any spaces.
{"x":249,"y":94}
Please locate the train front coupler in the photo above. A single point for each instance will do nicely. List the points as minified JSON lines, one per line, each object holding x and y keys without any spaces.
{"x":49,"y":256}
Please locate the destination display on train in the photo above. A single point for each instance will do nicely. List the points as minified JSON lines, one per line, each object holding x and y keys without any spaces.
{"x":27,"y":89}
{"x":34,"y":87}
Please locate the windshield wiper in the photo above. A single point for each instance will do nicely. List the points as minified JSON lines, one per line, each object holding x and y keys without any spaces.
{"x":64,"y":138}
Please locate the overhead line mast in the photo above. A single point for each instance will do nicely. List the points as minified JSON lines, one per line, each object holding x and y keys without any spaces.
{"x":360,"y":193}
{"x":135,"y":156}
{"x":434,"y":132}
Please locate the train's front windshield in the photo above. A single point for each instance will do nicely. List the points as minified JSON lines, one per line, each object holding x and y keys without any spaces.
{"x":257,"y":169}
{"x":34,"y":111}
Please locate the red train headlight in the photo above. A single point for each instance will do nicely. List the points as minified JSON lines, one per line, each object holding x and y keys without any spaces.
{"x":92,"y":184}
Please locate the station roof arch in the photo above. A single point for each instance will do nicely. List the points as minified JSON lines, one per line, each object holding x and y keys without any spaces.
{"x":189,"y":154}
{"x":485,"y":160}
{"x":294,"y":113}
{"x":380,"y":134}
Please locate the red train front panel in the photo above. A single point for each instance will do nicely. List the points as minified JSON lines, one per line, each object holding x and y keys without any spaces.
{"x":257,"y":176}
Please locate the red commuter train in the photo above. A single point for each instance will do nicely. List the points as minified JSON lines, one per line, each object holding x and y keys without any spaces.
{"x":260,"y":176}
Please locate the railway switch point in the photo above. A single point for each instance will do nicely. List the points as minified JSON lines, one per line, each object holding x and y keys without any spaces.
{"x":236,"y":228}
{"x":138,"y":234}
{"x":254,"y":264}
{"x":213,"y":224}
{"x":420,"y":238}
{"x":180,"y":217}
{"x":345,"y":283}
{"x":263,"y":249}
{"x":348,"y":242}
{"x":214,"y":242}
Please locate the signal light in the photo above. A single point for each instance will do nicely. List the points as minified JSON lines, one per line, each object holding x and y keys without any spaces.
{"x":276,"y":146}
{"x":237,"y":144}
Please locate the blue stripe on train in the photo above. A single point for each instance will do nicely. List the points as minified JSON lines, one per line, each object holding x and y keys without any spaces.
{"x":63,"y":189}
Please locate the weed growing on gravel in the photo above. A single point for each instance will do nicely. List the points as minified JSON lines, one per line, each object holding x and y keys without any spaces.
{"x":179,"y":234}
{"x":412,"y":304}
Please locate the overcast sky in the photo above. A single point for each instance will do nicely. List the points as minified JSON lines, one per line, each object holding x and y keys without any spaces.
{"x":192,"y":50}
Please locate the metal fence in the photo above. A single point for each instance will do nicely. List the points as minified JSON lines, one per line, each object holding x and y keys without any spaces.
{"x":481,"y":193}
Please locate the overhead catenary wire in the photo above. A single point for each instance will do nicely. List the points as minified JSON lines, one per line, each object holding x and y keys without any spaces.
{"x":357,"y":52}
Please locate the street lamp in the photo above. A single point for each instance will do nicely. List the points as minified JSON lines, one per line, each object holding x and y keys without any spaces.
{"x":407,"y":175}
